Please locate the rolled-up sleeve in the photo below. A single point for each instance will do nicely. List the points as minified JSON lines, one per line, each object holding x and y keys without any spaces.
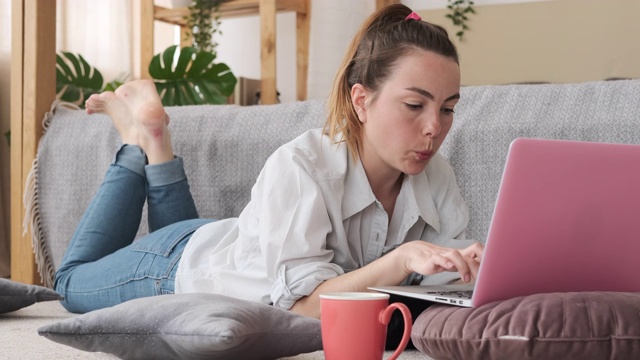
{"x":293,"y":227}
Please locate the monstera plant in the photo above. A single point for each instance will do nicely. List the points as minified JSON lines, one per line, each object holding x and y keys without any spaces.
{"x":193,"y":79}
{"x":190,"y":75}
{"x":183,"y":76}
{"x":76,"y":80}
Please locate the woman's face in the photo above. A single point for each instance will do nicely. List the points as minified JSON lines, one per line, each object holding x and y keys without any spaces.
{"x":411,"y":114}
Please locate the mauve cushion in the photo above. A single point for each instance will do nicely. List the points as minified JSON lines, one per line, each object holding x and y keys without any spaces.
{"x":578,"y":325}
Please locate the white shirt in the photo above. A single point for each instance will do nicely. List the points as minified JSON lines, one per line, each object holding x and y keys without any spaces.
{"x":313,"y":217}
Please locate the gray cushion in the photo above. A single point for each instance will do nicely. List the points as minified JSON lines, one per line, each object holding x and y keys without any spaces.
{"x":15,"y":295}
{"x":189,"y":326}
{"x":583,"y":325}
{"x":489,"y":117}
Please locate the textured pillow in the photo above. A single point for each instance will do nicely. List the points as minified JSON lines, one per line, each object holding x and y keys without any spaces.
{"x":587,"y":325}
{"x":189,"y":326}
{"x":15,"y":295}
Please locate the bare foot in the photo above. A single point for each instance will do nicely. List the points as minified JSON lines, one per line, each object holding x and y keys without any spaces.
{"x":138,"y":116}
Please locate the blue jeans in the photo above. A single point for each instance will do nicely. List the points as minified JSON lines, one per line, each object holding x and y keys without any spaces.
{"x":103,"y":266}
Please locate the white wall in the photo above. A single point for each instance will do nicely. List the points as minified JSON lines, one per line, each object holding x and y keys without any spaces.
{"x":98,"y":30}
{"x":333,"y":24}
{"x":564,"y":41}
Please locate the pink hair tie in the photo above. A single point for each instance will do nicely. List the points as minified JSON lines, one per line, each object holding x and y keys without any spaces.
{"x":413,"y":16}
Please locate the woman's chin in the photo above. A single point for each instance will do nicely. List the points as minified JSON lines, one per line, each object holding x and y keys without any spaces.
{"x":415,"y":168}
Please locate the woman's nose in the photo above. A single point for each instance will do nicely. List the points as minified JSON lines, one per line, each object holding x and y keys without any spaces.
{"x":432,"y":125}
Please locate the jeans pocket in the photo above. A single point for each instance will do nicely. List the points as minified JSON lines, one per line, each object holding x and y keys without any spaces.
{"x":163,"y":241}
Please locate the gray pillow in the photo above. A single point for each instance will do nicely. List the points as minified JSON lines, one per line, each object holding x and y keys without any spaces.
{"x":15,"y":295}
{"x":576,"y":325}
{"x":189,"y":326}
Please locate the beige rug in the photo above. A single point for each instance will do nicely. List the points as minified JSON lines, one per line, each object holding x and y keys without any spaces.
{"x":19,"y":337}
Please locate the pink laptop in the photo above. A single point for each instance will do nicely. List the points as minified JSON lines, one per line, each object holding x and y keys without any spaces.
{"x":567,"y":218}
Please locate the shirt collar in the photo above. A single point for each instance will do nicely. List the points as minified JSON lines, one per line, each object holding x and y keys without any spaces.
{"x":357,"y":191}
{"x":358,"y":194}
{"x":419,"y":199}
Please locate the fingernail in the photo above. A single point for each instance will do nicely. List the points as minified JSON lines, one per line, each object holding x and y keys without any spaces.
{"x":467,"y":278}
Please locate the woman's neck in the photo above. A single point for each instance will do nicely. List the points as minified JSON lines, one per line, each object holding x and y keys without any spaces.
{"x":385,"y":183}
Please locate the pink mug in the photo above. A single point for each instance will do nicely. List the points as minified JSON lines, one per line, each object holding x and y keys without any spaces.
{"x":354,"y":325}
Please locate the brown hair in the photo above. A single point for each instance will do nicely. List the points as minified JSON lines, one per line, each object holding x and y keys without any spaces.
{"x":385,"y":37}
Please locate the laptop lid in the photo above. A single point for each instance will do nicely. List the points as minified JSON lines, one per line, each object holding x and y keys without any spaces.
{"x":567,"y":218}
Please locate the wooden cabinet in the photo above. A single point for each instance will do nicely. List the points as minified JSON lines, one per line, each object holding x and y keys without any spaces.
{"x":267,"y":10}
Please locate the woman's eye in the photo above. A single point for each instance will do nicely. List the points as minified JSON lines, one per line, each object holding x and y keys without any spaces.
{"x":414,"y":106}
{"x":448,"y":111}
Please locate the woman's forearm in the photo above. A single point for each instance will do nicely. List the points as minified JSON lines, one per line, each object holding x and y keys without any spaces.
{"x":386,"y":270}
{"x":391,"y":269}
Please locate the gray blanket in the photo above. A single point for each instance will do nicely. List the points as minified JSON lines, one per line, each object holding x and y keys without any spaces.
{"x":223,"y":147}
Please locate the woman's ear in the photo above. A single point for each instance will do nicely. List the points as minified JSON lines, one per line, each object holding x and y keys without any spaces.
{"x":358,"y":99}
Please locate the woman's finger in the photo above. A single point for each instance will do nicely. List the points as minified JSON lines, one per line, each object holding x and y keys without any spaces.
{"x":460,"y":262}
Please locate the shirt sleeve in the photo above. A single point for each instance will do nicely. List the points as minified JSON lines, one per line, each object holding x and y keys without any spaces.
{"x":293,"y":227}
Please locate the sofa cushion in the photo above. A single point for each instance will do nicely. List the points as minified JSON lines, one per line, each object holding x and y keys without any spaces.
{"x":488,"y":118}
{"x":15,"y":295}
{"x":189,"y":326}
{"x":578,"y":325}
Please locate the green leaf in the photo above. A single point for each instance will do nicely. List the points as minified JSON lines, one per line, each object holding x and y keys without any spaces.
{"x":76,"y":80}
{"x":200,"y":63}
{"x":167,"y":61}
{"x":458,"y":10}
{"x":112,"y":85}
{"x":194,"y":79}
{"x":183,"y":61}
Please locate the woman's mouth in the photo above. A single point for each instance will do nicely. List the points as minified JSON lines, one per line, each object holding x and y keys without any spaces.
{"x":423,"y":155}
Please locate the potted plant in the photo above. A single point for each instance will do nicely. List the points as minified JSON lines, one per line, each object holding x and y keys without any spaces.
{"x":76,"y":80}
{"x":183,"y":76}
{"x":190,"y":75}
{"x":204,"y":23}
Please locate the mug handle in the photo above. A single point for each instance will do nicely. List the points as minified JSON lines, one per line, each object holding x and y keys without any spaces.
{"x":385,"y":318}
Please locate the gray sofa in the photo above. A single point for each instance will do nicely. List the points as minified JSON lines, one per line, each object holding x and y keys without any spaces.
{"x":224,"y":148}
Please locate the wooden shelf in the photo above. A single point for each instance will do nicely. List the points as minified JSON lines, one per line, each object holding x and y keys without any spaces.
{"x":228,"y":9}
{"x":267,"y":10}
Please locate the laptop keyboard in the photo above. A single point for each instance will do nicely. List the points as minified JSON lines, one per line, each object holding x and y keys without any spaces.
{"x":462,"y":294}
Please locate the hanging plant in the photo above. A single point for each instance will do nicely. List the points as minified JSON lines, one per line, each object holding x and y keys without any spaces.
{"x":195,"y":78}
{"x":204,"y":23}
{"x":458,"y":12}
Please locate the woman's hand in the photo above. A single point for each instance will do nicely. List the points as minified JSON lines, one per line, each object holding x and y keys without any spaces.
{"x":427,"y":259}
{"x":416,"y":256}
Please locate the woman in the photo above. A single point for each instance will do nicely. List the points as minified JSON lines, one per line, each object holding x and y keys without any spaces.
{"x":325,"y":208}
